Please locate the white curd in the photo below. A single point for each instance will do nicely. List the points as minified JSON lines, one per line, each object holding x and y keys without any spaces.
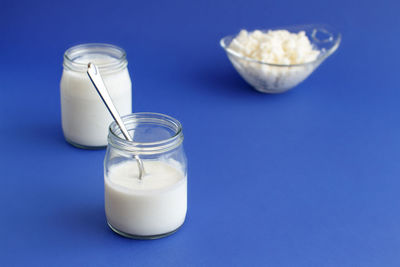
{"x":279,"y":58}
{"x":275,"y":47}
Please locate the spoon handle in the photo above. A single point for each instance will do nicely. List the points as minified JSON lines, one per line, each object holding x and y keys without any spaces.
{"x":97,"y":81}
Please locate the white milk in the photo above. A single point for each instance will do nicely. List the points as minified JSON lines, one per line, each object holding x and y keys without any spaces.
{"x":154,"y":205}
{"x":85,"y":118}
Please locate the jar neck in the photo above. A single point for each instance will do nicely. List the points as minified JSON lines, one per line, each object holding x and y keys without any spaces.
{"x":107,"y":57}
{"x":152,"y":133}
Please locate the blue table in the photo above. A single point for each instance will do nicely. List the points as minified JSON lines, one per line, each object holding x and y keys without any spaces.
{"x":305,"y":178}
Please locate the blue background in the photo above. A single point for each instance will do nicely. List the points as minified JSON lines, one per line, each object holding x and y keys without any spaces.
{"x":305,"y":178}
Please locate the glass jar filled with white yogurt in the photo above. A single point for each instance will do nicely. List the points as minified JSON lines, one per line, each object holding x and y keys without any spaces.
{"x":85,"y":118}
{"x":154,"y":205}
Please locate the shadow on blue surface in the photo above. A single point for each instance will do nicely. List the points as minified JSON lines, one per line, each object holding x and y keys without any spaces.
{"x":228,"y":82}
{"x":42,"y":134}
{"x":86,"y":219}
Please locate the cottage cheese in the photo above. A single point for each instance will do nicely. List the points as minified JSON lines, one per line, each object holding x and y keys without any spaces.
{"x":275,"y":47}
{"x":279,"y":47}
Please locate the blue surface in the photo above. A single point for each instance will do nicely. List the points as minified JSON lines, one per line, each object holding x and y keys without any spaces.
{"x":306,"y":178}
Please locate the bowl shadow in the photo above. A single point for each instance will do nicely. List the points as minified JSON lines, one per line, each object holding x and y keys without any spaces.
{"x":223,"y":80}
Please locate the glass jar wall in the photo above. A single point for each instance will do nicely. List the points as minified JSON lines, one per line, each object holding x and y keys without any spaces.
{"x":154,"y":205}
{"x":85,"y":118}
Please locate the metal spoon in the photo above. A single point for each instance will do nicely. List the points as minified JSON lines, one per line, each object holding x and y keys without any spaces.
{"x":95,"y":78}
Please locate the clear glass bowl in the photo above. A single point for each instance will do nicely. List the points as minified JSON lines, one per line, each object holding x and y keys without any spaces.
{"x":277,"y":78}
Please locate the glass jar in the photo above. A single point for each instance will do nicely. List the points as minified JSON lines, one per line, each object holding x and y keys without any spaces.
{"x":85,"y":118}
{"x":155,"y":205}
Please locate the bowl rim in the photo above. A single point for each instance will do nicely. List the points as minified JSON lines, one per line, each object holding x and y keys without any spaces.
{"x":324,"y":28}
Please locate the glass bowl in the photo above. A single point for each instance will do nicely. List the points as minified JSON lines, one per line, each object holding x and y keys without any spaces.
{"x":277,"y":78}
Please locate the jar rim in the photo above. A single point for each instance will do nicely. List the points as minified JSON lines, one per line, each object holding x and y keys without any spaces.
{"x":115,"y":52}
{"x":116,"y":140}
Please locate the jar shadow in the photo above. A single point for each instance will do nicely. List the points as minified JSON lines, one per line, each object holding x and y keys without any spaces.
{"x":38,"y":134}
{"x":88,"y":221}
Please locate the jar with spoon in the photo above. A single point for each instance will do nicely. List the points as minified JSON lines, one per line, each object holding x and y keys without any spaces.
{"x":85,"y":119}
{"x":145,"y":171}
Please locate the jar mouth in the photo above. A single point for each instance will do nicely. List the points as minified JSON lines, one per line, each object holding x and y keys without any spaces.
{"x":151,"y":133}
{"x":107,"y":57}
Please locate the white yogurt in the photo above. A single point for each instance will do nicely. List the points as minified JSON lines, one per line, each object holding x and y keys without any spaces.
{"x":155,"y":205}
{"x":85,"y":118}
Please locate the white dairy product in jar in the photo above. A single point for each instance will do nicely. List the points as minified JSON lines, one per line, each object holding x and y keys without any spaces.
{"x":152,"y":206}
{"x":85,"y":118}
